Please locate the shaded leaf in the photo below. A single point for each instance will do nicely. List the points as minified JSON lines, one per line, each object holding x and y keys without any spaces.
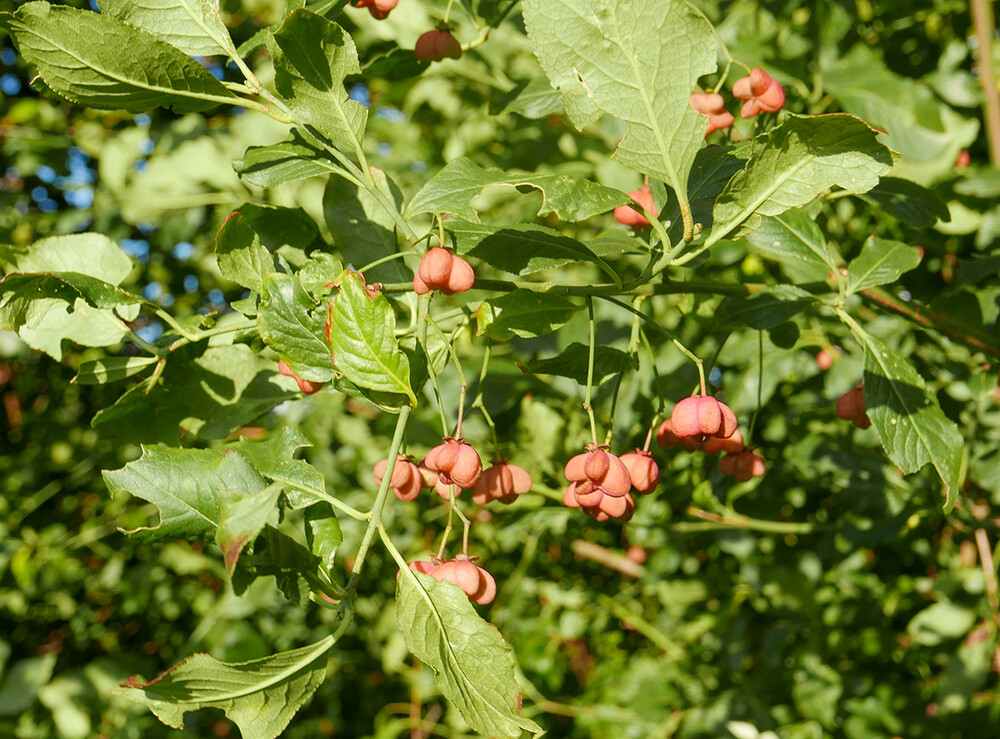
{"x":523,"y":313}
{"x":908,"y":202}
{"x":572,"y":363}
{"x":206,"y":392}
{"x":526,"y":248}
{"x":362,"y":230}
{"x":911,"y":425}
{"x":764,"y":309}
{"x":292,"y":159}
{"x":112,"y":369}
{"x":278,"y":226}
{"x":453,"y":189}
{"x":22,"y":682}
{"x":794,"y":239}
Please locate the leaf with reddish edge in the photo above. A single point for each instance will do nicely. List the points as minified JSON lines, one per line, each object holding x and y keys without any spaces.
{"x":259,"y":696}
{"x":190,"y":487}
{"x":241,"y":519}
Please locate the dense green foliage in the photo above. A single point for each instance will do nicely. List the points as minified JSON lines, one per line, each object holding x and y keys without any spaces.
{"x":168,"y":231}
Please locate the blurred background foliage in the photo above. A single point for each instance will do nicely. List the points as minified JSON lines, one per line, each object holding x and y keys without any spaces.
{"x":847,"y":606}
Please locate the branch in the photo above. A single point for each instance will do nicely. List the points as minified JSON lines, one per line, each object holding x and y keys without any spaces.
{"x":982,"y":19}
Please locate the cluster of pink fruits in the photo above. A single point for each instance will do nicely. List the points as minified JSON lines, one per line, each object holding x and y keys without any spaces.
{"x":455,"y":462}
{"x":759,"y":92}
{"x":474,"y":581}
{"x":602,"y":483}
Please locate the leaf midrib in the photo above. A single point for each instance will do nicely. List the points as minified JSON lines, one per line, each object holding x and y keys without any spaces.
{"x":282,"y":676}
{"x":880,"y":260}
{"x":454,"y":659}
{"x":372,"y":349}
{"x":873,"y":350}
{"x":678,"y":187}
{"x":167,"y":91}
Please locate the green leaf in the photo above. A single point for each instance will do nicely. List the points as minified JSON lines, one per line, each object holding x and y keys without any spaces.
{"x":453,"y":189}
{"x":91,"y":254}
{"x":64,"y":288}
{"x":533,"y":98}
{"x":764,"y":309}
{"x":911,"y":425}
{"x":190,"y":487}
{"x":362,"y":230}
{"x":472,"y":665}
{"x":527,"y":248}
{"x":713,"y":167}
{"x":795,"y":162}
{"x":908,"y":202}
{"x":46,"y":324}
{"x":278,"y":226}
{"x":289,"y":324}
{"x":22,"y":682}
{"x":940,"y":622}
{"x":193,"y":26}
{"x":817,"y":689}
{"x":638,"y":61}
{"x":274,"y":458}
{"x":312,"y":56}
{"x":96,"y":60}
{"x":242,"y":258}
{"x":112,"y":369}
{"x":292,"y":159}
{"x":259,"y":696}
{"x":927,"y":133}
{"x":323,"y":534}
{"x":362,"y":340}
{"x":795,"y":240}
{"x":19,"y":290}
{"x":295,"y":569}
{"x":319,"y":271}
{"x":204,"y":392}
{"x":241,"y":519}
{"x":523,"y":313}
{"x":980,"y":182}
{"x":880,"y":262}
{"x":572,"y":363}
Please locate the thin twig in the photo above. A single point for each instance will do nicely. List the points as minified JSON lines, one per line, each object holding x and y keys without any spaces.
{"x":982,"y":19}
